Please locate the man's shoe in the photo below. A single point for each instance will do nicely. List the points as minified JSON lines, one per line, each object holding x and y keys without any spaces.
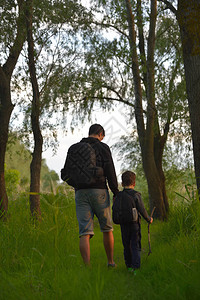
{"x":112,"y":265}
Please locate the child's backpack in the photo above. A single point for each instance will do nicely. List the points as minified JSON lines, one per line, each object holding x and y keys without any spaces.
{"x":80,"y":170}
{"x":124,"y":208}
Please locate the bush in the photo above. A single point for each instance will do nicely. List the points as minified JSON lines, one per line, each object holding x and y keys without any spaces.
{"x":12,"y":179}
{"x":184,"y":217}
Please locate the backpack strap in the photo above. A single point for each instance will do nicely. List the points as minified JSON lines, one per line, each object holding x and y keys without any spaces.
{"x":131,"y":197}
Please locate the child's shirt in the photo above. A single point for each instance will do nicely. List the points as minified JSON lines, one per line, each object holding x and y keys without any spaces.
{"x":138,"y":203}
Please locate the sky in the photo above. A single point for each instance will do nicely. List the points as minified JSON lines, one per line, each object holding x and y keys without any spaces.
{"x":115,"y":125}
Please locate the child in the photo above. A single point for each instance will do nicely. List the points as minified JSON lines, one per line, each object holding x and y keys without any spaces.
{"x":131,"y":232}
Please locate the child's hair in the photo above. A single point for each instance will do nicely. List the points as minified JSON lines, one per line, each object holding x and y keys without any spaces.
{"x":128,"y":178}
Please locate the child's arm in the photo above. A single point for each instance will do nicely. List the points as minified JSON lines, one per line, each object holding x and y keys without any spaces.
{"x":141,"y":208}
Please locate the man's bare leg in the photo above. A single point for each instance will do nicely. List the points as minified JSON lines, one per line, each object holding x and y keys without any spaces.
{"x":84,"y":246}
{"x":108,"y":241}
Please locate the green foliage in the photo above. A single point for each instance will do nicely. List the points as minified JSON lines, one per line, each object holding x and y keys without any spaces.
{"x":49,"y":179}
{"x":43,"y":261}
{"x":124,"y":147}
{"x":187,"y":214}
{"x":184,"y":213}
{"x":12,"y":179}
{"x":18,"y":159}
{"x":56,"y":27}
{"x":8,"y":23}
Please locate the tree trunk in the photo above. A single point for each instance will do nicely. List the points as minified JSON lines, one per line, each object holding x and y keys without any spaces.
{"x":152,"y":165}
{"x":188,"y":16}
{"x":159,"y":144}
{"x":35,"y":167}
{"x":6,"y":106}
{"x":156,"y":190}
{"x":6,"y":109}
{"x":162,"y":184}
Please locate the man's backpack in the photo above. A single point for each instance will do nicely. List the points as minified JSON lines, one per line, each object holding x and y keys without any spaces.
{"x":80,"y":170}
{"x":124,"y":208}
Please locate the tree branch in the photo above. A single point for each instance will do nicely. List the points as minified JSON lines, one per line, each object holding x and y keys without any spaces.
{"x":107,"y":25}
{"x":119,"y":98}
{"x":169,"y":6}
{"x":116,"y":99}
{"x":2,"y":75}
{"x":31,"y":60}
{"x":51,"y":67}
{"x":18,"y":43}
{"x":141,"y":41}
{"x":171,"y":100}
{"x":150,"y":68}
{"x":136,"y":72}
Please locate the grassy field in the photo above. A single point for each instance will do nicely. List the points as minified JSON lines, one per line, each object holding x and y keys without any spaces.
{"x":43,"y":261}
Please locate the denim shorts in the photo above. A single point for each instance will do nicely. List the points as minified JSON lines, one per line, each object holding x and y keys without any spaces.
{"x":90,"y":202}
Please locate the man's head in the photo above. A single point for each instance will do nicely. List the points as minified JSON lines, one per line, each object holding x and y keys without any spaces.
{"x":97,"y":131}
{"x":128,"y":179}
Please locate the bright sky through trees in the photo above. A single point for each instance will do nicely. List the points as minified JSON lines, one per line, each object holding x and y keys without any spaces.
{"x":115,"y":126}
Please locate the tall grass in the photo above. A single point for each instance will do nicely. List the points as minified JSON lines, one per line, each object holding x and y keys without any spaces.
{"x":43,"y":261}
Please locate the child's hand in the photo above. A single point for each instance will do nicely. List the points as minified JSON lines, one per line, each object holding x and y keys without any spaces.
{"x":151,"y":220}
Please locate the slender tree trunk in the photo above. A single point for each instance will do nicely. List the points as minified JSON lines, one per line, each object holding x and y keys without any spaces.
{"x":6,"y":106}
{"x":155,"y":189}
{"x":35,"y":167}
{"x":159,"y":144}
{"x":152,"y":162}
{"x":188,"y":16}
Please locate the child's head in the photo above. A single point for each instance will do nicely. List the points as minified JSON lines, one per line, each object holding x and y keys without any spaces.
{"x":128,"y":178}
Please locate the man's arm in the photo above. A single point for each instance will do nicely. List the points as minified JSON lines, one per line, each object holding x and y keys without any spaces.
{"x":109,"y":170}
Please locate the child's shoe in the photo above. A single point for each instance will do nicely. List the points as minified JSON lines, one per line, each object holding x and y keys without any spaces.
{"x":131,"y":270}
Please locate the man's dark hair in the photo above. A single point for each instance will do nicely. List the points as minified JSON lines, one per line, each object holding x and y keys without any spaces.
{"x":96,"y":129}
{"x":128,"y":178}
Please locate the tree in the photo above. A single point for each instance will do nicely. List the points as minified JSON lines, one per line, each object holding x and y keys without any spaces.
{"x":123,"y":67}
{"x":151,"y":141}
{"x":43,"y":60}
{"x":17,"y":33}
{"x":188,"y":17}
{"x":35,"y":167}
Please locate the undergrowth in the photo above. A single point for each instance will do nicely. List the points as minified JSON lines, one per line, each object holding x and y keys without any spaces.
{"x":43,"y":261}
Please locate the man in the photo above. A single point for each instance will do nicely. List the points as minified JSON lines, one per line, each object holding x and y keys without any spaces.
{"x":95,"y":200}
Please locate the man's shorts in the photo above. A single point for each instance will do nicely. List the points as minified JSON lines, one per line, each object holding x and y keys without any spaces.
{"x":90,"y":202}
